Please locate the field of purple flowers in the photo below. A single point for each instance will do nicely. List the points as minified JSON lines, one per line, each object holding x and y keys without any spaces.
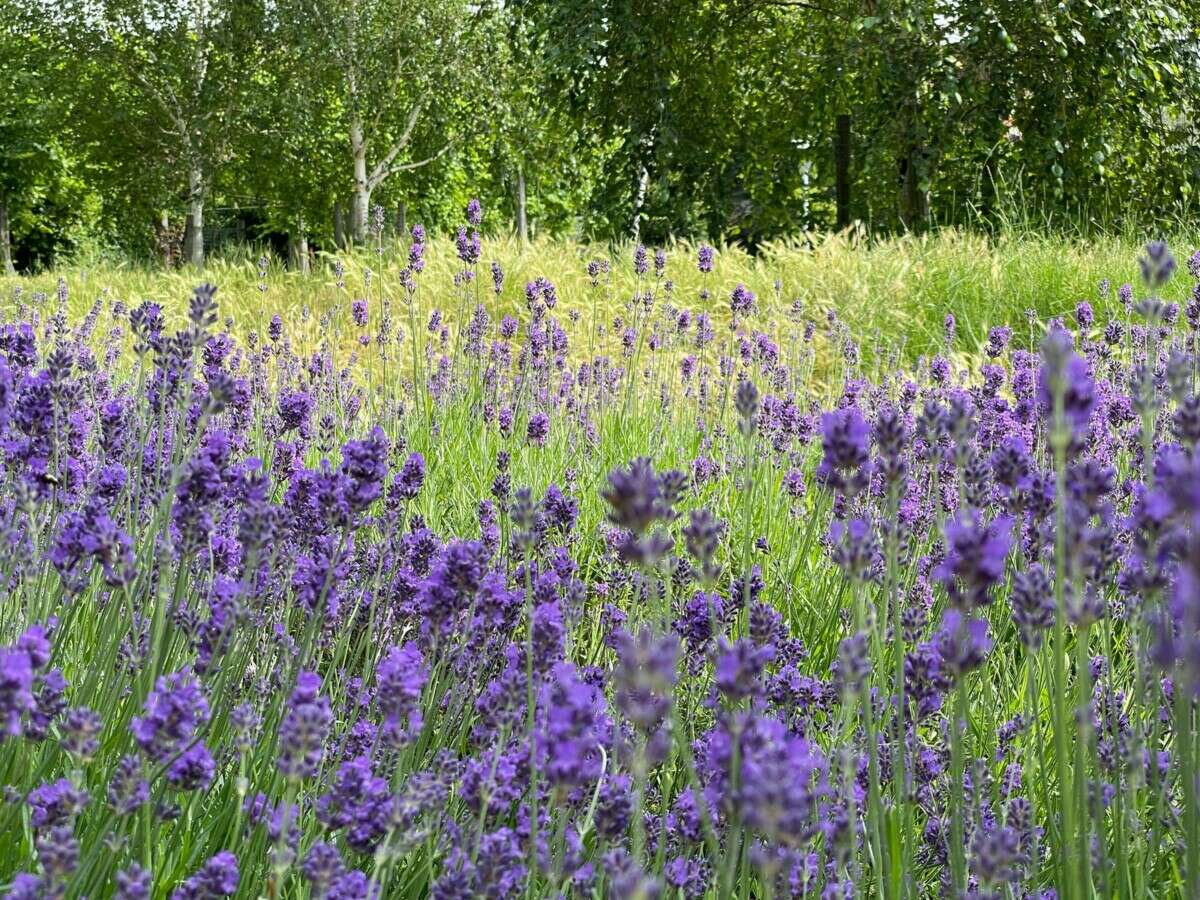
{"x":466,"y":608}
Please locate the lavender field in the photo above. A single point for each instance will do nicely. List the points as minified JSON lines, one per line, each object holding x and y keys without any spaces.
{"x":448,"y":587}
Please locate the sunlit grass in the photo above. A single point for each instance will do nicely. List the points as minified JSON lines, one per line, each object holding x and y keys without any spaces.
{"x":892,"y":292}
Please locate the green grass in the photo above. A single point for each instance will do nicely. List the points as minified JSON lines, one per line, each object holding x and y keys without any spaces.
{"x":893,"y":292}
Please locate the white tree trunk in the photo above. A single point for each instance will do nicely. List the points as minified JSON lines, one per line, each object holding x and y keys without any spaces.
{"x":639,"y":202}
{"x":195,"y":248}
{"x":165,"y":242}
{"x":298,"y":249}
{"x":6,"y":241}
{"x":522,"y":221}
{"x":361,"y":205}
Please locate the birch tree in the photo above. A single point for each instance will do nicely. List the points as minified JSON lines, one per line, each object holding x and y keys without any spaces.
{"x":185,"y":70}
{"x":399,"y":75}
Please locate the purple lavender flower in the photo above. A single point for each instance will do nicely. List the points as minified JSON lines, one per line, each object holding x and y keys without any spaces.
{"x":1065,"y":374}
{"x":26,"y":886}
{"x":174,"y":712}
{"x":81,"y":729}
{"x":1032,"y":605}
{"x":294,"y":409}
{"x":998,"y":339}
{"x":572,"y":728}
{"x":560,"y":510}
{"x":746,"y":402}
{"x":640,"y":264}
{"x":218,"y":877}
{"x":705,"y":259}
{"x":854,"y":547}
{"x":1157,"y":264}
{"x":56,"y":803}
{"x":636,"y":503}
{"x":193,"y":769}
{"x":645,"y":677}
{"x":400,"y":679}
{"x":469,"y":247}
{"x":845,"y":442}
{"x":962,"y":642}
{"x":305,"y":728}
{"x":128,"y":790}
{"x":365,"y":465}
{"x":741,"y":301}
{"x":975,"y":558}
{"x":133,"y":883}
{"x":16,"y":688}
{"x":411,"y":478}
{"x":58,"y":852}
{"x":538,"y":429}
{"x":739,"y":668}
{"x":322,"y":867}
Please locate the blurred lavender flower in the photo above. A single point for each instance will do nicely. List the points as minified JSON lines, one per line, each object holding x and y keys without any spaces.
{"x":304,"y":729}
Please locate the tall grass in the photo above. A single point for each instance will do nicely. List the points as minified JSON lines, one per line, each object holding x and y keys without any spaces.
{"x":890,"y":292}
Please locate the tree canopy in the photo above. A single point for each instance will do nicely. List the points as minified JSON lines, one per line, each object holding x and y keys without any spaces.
{"x":137,"y":122}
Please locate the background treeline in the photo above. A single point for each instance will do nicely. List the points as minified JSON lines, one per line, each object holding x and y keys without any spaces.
{"x":162,"y":128}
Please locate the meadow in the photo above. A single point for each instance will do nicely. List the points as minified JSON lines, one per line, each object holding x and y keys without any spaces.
{"x":462,"y":567}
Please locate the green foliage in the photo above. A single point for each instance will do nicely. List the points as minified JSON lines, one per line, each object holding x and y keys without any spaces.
{"x":674,"y":118}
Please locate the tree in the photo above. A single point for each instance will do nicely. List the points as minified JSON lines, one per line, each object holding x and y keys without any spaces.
{"x":398,"y":74}
{"x":524,"y":152}
{"x":951,"y":93}
{"x":27,"y":155}
{"x":184,"y":71}
{"x":292,"y":156}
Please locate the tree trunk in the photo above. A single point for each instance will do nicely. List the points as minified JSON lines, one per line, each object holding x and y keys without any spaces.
{"x":194,"y":242}
{"x":522,"y":220}
{"x":361,"y":205}
{"x":298,"y":252}
{"x":914,"y":202}
{"x":6,"y":241}
{"x":639,"y":202}
{"x":164,"y":240}
{"x":842,"y":170}
{"x":185,"y":244}
{"x":339,"y":224}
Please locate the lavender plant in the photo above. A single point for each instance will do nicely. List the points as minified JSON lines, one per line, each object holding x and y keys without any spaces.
{"x":520,"y":619}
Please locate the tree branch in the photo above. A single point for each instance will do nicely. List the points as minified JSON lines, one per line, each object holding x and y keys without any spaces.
{"x":407,"y":167}
{"x":383,"y":169}
{"x":168,"y":103}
